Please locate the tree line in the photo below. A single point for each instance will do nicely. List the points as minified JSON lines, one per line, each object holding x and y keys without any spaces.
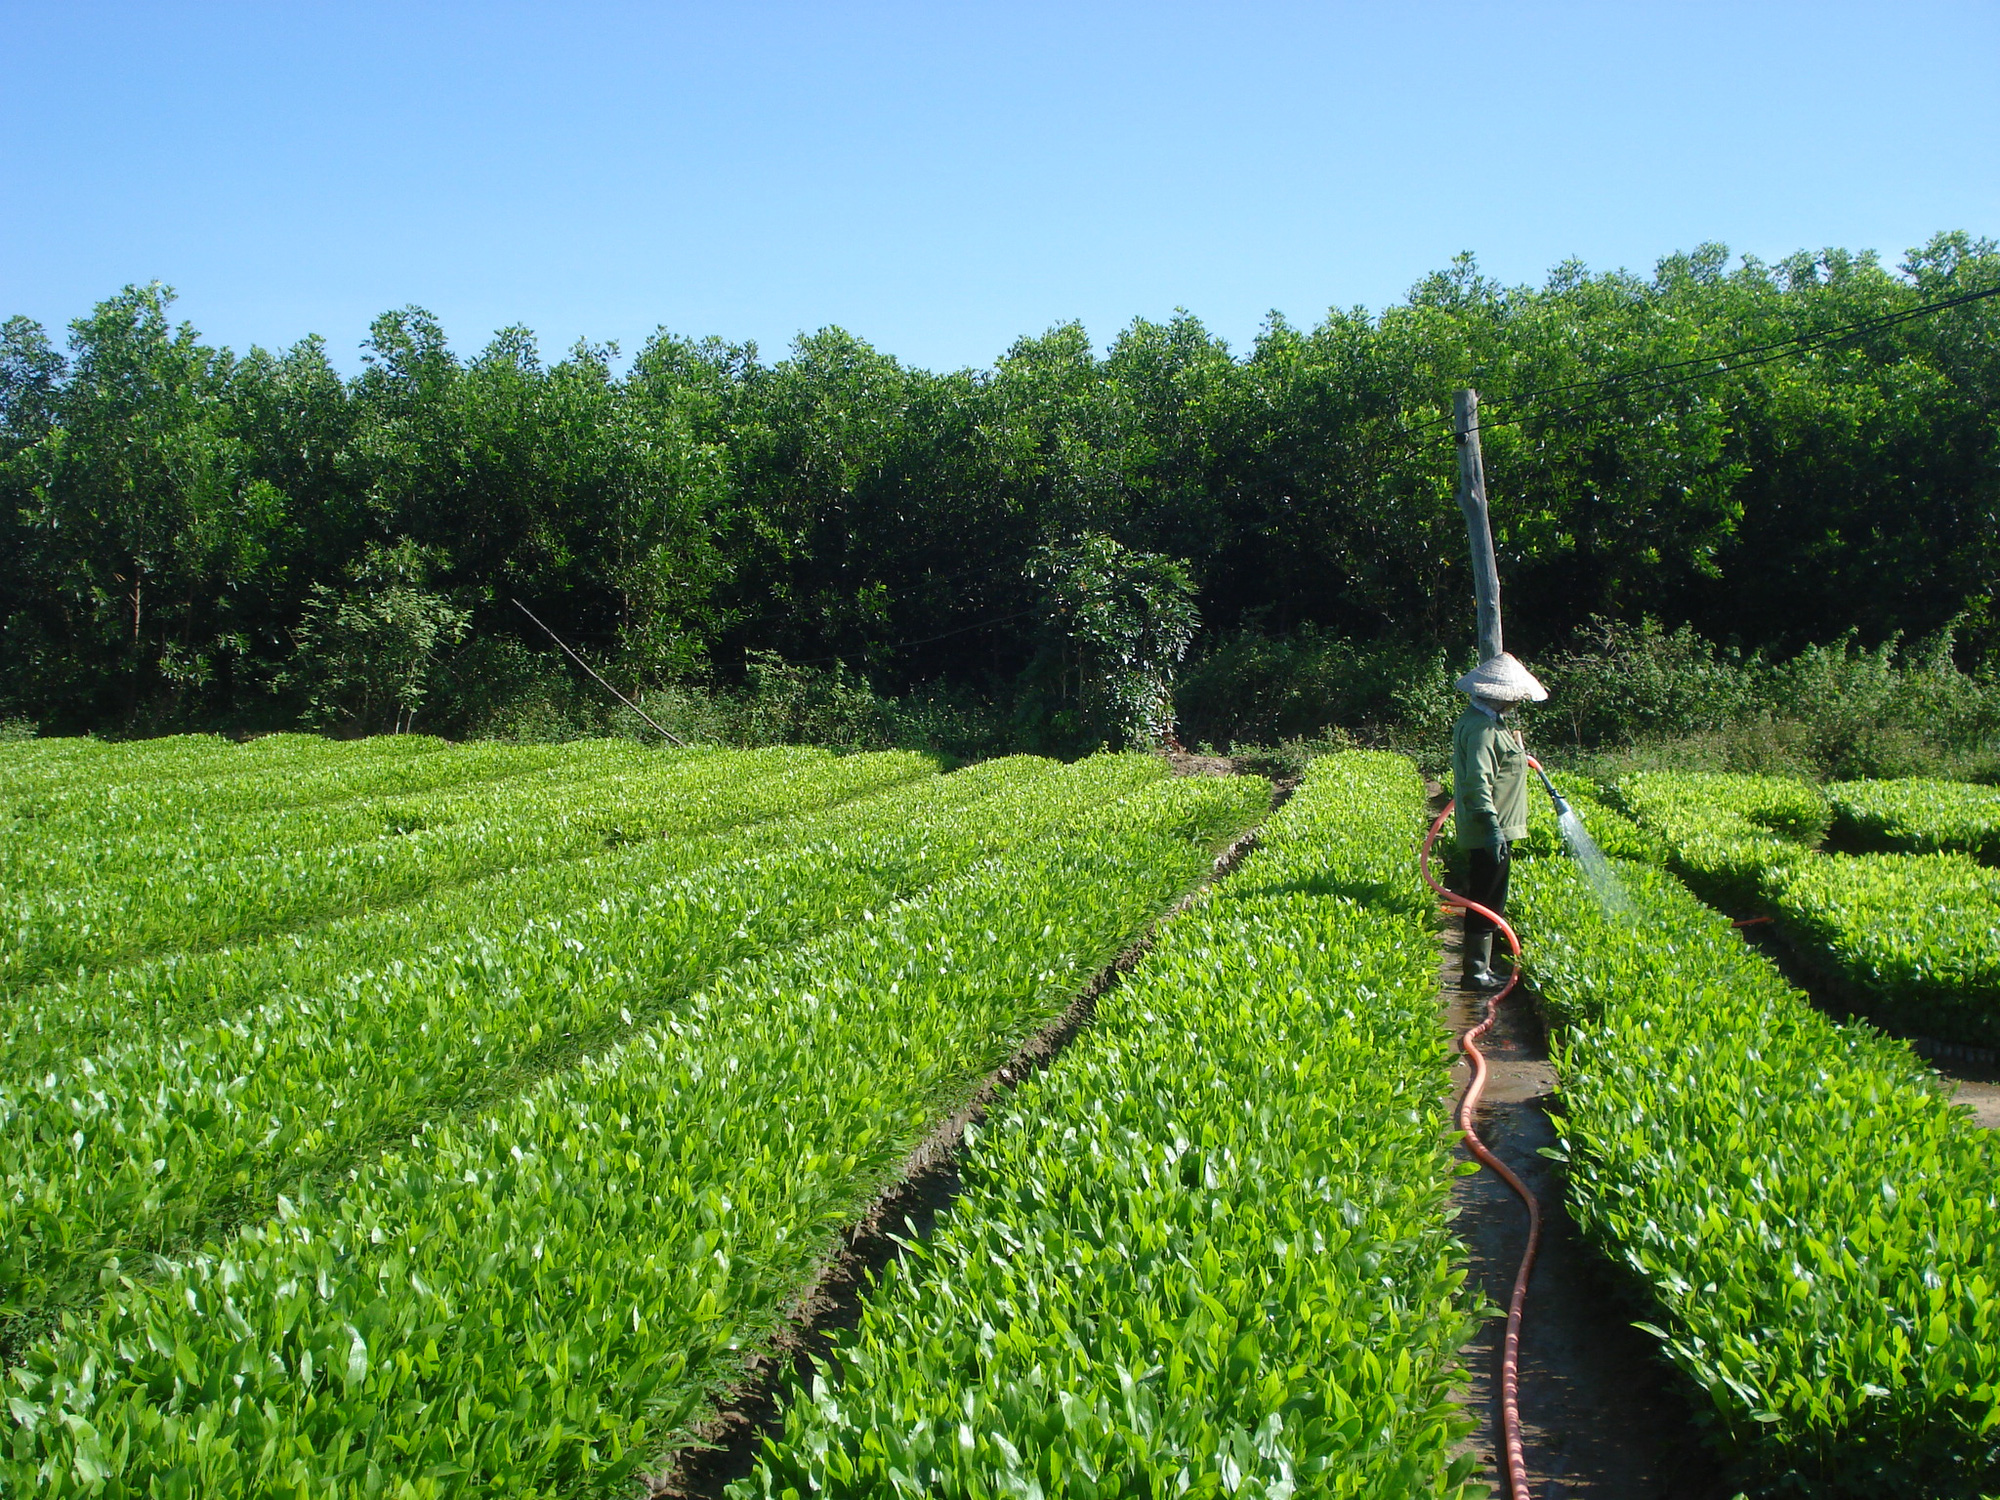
{"x":196,"y":538}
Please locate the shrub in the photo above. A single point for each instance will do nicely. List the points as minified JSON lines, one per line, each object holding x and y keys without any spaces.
{"x":1814,"y":1224}
{"x":1917,"y":935}
{"x":367,"y":655}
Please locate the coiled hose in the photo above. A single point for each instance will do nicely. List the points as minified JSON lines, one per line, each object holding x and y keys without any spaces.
{"x":1510,"y":1357}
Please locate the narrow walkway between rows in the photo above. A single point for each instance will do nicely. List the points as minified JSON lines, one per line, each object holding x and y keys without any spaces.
{"x":1599,"y":1416}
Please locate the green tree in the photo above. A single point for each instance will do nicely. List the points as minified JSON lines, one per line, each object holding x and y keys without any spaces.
{"x":367,"y":654}
{"x":1119,"y":623}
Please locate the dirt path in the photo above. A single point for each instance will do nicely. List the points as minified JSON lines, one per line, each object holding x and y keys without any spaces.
{"x":1978,"y":1091}
{"x":1600,"y":1415}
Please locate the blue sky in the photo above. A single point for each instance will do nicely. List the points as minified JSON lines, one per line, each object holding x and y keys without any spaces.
{"x":941,"y":179}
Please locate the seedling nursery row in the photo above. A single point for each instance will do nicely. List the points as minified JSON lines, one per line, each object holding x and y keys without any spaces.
{"x":394,"y":1118}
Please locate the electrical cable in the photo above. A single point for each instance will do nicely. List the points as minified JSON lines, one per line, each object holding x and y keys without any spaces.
{"x":1510,"y":1354}
{"x":1714,"y":364}
{"x":920,"y":641}
{"x":1803,"y":342}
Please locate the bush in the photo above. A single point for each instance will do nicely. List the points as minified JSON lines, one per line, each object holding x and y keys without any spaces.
{"x":1915,"y":937}
{"x":1811,"y":1219}
{"x":367,"y":656}
{"x":1618,"y":684}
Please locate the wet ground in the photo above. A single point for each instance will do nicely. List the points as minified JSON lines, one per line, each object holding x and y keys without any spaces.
{"x":1600,"y":1412}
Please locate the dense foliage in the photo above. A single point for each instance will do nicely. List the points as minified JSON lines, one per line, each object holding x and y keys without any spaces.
{"x":1721,"y":832}
{"x":1910,"y":940}
{"x":1207,"y":1252}
{"x":1918,"y":814}
{"x":500,"y":1214}
{"x":189,"y":535}
{"x":1915,"y":938}
{"x":1813,"y":1221}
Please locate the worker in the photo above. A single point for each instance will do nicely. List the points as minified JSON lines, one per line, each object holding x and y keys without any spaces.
{"x":1489,"y":772}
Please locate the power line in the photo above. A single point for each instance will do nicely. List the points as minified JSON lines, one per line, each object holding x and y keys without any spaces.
{"x":1801,"y":343}
{"x":1713,"y":364}
{"x":804,"y":661}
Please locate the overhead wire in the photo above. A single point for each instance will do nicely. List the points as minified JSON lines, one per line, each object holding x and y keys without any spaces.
{"x":1711,"y":365}
{"x":919,"y":641}
{"x":1800,"y":343}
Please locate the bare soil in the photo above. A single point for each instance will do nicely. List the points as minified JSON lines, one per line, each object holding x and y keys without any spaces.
{"x":1187,"y":763}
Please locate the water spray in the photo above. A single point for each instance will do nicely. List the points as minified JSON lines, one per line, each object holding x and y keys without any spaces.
{"x":1604,"y":882}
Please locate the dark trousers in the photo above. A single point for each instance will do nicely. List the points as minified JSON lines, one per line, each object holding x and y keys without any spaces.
{"x":1486,"y":883}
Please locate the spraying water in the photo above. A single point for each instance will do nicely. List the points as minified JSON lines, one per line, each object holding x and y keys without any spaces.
{"x":1604,"y":883}
{"x":1597,"y":869}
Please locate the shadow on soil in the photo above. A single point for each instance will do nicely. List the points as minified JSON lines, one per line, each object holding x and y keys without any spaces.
{"x":1971,"y":1073}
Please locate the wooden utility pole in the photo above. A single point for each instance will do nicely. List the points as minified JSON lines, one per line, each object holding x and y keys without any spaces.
{"x":1472,"y":500}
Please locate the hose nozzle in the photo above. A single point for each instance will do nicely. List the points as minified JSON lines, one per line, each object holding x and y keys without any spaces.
{"x":1562,"y":807}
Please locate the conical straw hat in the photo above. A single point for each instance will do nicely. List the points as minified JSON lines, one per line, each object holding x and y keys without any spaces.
{"x":1503,"y":679}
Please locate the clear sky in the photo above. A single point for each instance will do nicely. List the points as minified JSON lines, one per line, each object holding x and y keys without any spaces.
{"x":943,"y":178}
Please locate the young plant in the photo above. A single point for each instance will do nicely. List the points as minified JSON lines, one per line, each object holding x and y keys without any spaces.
{"x":1207,"y":1252}
{"x":1812,"y":1221}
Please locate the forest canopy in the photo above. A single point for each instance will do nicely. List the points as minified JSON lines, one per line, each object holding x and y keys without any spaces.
{"x":198,"y":538}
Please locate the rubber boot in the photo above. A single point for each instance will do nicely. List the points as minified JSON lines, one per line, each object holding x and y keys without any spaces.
{"x":1478,"y":973}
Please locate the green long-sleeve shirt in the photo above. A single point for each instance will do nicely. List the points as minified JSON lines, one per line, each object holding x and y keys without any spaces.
{"x":1489,"y":774}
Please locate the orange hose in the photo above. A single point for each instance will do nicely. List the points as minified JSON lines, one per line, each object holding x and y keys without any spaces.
{"x":1510,"y":1357}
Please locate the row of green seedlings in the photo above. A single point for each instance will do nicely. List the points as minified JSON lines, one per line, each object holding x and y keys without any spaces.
{"x":1918,"y":815}
{"x":155,"y":1139}
{"x":199,"y":843}
{"x":342,"y":802}
{"x":156,"y":996}
{"x":1911,"y":940}
{"x":37,"y":762}
{"x":536,"y":1300}
{"x":528,"y":821}
{"x":124,"y":800}
{"x":1205,"y":1253}
{"x":44,"y":778}
{"x":1812,"y":1227}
